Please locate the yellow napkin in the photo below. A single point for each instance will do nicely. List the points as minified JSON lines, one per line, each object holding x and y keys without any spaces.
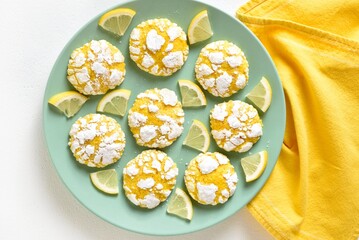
{"x":313,"y":192}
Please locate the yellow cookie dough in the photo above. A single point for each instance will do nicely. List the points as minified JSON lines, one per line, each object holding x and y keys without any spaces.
{"x":210,"y":178}
{"x":158,"y":46}
{"x":96,"y":67}
{"x":96,"y":140}
{"x":149,"y":178}
{"x":222,"y":68}
{"x":156,"y":118}
{"x":235,"y":125}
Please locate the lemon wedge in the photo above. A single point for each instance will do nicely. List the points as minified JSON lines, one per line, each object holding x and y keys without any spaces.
{"x":200,"y":28}
{"x":192,"y":95}
{"x":197,"y":137}
{"x":105,"y":180}
{"x":117,"y":21}
{"x":114,"y":102}
{"x":180,"y":205}
{"x":69,"y":102}
{"x":254,"y":165}
{"x":261,"y":95}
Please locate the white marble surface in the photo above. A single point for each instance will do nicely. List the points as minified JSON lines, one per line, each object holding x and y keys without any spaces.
{"x":34,"y":204}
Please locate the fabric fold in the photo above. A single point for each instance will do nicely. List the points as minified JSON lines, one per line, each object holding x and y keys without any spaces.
{"x":313,"y":190}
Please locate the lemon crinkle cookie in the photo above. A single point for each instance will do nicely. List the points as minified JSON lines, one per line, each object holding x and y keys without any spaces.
{"x":158,"y":46}
{"x":210,"y":178}
{"x":96,"y":140}
{"x":96,"y":67}
{"x":235,"y":125}
{"x":156,"y":118}
{"x":222,"y":68}
{"x":149,"y":178}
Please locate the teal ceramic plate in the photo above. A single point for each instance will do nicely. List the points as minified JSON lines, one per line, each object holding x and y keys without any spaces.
{"x":117,"y":209}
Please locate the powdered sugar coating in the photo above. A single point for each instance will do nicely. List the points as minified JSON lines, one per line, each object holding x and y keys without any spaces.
{"x":154,"y":178}
{"x":235,"y":126}
{"x":96,"y":67}
{"x":97,"y":140}
{"x":156,"y":118}
{"x":222,"y":68}
{"x":158,"y":46}
{"x":210,"y":178}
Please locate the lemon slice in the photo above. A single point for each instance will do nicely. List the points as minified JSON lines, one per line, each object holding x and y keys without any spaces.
{"x":261,"y":95}
{"x":200,"y":28}
{"x":192,"y":95}
{"x":69,"y":102}
{"x":117,"y":21}
{"x":180,"y":205}
{"x":105,"y":180}
{"x":114,"y":102}
{"x":197,"y":137}
{"x":254,"y":165}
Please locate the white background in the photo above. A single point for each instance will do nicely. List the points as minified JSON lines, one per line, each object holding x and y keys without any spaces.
{"x":34,"y":204}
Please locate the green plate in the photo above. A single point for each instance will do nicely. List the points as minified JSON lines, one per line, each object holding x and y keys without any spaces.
{"x":117,"y":209}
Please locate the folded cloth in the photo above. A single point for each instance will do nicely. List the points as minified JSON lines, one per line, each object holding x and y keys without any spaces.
{"x":313,"y":192}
